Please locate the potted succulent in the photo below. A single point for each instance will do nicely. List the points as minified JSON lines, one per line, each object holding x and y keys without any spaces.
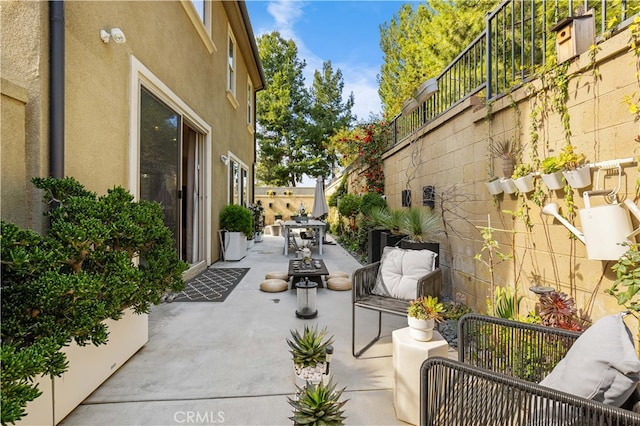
{"x":236,"y":224}
{"x":551,"y":173}
{"x":506,"y":150}
{"x":574,"y":169}
{"x":317,"y":405}
{"x":311,"y":351}
{"x":523,"y":178}
{"x":422,"y":315}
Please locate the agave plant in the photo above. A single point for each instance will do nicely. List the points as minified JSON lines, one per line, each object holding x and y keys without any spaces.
{"x":317,"y":405}
{"x":310,"y":347}
{"x":421,"y":224}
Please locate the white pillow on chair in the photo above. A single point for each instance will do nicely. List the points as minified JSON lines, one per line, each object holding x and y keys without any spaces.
{"x":601,"y":365}
{"x":400,"y":271}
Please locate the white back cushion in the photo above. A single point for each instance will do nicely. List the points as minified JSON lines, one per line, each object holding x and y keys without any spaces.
{"x":400,"y":270}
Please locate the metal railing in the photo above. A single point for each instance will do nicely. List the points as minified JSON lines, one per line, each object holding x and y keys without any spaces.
{"x":516,"y":40}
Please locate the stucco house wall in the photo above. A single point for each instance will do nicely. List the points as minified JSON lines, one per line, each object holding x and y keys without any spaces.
{"x":451,"y":153}
{"x":167,"y":50}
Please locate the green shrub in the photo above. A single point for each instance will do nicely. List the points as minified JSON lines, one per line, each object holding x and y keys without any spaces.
{"x":349,"y":205}
{"x":371,"y":200}
{"x":235,"y":218}
{"x":100,"y":256}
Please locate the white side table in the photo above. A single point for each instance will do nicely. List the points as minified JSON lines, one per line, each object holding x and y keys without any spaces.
{"x":408,"y":356}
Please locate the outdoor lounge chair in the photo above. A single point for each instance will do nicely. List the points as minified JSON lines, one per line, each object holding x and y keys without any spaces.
{"x":494,"y":381}
{"x":363,"y":283}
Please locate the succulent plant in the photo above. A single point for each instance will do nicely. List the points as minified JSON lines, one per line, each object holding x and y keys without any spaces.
{"x":310,"y":347}
{"x":317,"y":405}
{"x":426,"y":308}
{"x":558,"y":310}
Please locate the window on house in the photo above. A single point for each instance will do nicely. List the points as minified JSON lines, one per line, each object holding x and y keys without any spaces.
{"x":249,"y":102}
{"x":238,"y":183}
{"x":201,"y":7}
{"x":231,"y":65}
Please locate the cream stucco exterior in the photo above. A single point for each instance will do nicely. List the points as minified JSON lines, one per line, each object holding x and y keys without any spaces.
{"x":185,"y":65}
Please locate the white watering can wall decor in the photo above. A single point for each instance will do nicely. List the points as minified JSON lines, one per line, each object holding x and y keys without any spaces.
{"x":605,"y":227}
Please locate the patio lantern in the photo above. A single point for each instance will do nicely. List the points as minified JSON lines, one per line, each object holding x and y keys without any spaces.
{"x":306,"y":297}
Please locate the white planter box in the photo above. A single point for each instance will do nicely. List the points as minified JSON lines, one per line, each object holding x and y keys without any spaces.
{"x":525,"y":183}
{"x":508,"y":186}
{"x":553,"y":180}
{"x":235,"y":245}
{"x":89,"y":367}
{"x":494,"y":187}
{"x":578,"y":178}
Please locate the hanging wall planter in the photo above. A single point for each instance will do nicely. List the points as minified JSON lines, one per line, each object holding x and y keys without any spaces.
{"x":525,"y":183}
{"x":553,"y":180}
{"x":578,"y":178}
{"x":508,"y":186}
{"x":494,"y":187}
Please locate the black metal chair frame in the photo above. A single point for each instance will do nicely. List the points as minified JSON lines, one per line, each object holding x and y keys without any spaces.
{"x":363,"y":282}
{"x":494,"y":381}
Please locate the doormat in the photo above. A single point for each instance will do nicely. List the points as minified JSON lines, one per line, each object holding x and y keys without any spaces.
{"x":213,"y":285}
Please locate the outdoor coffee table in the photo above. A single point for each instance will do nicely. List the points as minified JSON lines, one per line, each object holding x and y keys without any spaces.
{"x":314,"y":271}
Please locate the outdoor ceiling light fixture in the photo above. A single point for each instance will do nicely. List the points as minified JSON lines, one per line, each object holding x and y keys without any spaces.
{"x":116,"y":34}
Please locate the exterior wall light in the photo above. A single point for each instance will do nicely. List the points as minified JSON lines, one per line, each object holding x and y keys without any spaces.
{"x":116,"y":34}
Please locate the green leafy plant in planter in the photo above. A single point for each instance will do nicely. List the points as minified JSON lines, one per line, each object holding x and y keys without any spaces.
{"x":383,"y":217}
{"x":100,"y":256}
{"x":569,"y":159}
{"x":317,"y":405}
{"x":421,"y":224}
{"x":309,"y":347}
{"x":521,"y":170}
{"x":236,"y":218}
{"x":550,"y":165}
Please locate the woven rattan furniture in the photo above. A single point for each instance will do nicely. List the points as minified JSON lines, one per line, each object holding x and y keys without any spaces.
{"x":494,"y":381}
{"x":364,"y":280}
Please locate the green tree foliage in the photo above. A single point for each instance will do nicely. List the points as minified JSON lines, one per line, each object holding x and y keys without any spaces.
{"x":418,"y":43}
{"x":281,"y":112}
{"x":100,"y":256}
{"x":295,"y":125}
{"x":328,"y":114}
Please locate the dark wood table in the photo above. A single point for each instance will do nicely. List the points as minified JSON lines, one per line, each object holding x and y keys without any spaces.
{"x":314,"y":271}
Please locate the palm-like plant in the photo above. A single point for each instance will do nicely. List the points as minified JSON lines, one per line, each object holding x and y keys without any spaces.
{"x":421,"y":225}
{"x":317,"y":405}
{"x":385,"y":218}
{"x":310,"y":347}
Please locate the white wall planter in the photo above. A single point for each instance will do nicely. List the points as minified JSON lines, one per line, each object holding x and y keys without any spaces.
{"x":508,"y":186}
{"x":578,"y":178}
{"x":553,"y":180}
{"x":89,"y":367}
{"x":525,"y":183}
{"x":494,"y":187}
{"x":250,"y":243}
{"x":235,"y":245}
{"x":421,"y":330}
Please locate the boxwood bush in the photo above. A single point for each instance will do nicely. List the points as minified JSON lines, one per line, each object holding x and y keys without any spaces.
{"x":100,"y":256}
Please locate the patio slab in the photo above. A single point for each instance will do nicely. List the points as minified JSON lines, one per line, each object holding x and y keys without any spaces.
{"x":229,"y":363}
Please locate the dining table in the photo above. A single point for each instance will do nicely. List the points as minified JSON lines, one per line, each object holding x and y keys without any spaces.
{"x":317,"y":226}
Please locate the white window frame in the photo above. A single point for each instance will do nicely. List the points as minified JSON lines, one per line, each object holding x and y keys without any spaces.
{"x":232,"y":63}
{"x":250,"y":106}
{"x":142,"y":76}
{"x":203,"y":28}
{"x":242,"y":166}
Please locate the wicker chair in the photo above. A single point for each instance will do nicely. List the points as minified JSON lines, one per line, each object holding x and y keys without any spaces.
{"x":364,"y":280}
{"x":494,"y":381}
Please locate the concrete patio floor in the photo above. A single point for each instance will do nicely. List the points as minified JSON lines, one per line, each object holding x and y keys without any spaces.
{"x":229,"y":363}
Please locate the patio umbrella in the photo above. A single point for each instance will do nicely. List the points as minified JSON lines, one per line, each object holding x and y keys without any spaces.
{"x":320,"y":207}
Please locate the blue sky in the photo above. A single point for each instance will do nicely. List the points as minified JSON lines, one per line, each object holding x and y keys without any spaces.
{"x":344,"y":32}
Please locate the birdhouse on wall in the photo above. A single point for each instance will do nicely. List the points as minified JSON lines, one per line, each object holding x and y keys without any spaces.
{"x":574,"y":35}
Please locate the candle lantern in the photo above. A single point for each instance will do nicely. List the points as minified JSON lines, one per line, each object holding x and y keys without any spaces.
{"x":306,"y":297}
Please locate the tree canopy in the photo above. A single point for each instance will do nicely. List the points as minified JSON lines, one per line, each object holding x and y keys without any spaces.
{"x":294,"y":123}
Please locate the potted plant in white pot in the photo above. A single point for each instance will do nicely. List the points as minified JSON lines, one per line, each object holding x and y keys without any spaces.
{"x":574,"y":169}
{"x":551,"y":173}
{"x":523,"y":178}
{"x":311,"y":351}
{"x":236,"y":223}
{"x":493,"y":186}
{"x":422,"y":315}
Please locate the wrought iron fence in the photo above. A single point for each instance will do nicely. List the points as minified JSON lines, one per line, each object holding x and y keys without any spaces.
{"x":516,"y":39}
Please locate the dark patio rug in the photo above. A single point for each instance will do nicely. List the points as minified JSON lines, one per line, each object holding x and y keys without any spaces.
{"x":213,"y":285}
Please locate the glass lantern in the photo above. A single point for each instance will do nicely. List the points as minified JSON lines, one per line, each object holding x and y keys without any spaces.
{"x":306,"y":299}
